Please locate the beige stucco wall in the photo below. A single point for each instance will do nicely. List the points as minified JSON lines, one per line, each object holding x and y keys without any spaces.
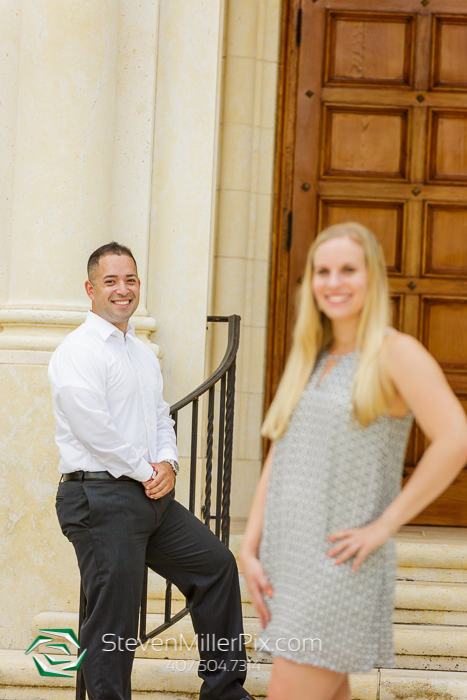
{"x":114,"y":124}
{"x":243,"y":234}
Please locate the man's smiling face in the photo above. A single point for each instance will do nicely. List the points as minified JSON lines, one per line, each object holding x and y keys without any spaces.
{"x":114,"y":289}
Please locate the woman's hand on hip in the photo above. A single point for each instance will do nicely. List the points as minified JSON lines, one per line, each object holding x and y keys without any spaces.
{"x":257,"y":583}
{"x":358,"y":542}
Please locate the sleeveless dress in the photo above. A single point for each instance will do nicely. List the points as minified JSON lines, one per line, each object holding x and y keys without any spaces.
{"x":329,"y":474}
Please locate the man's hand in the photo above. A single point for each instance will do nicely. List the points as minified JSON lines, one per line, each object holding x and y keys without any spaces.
{"x":163,"y":482}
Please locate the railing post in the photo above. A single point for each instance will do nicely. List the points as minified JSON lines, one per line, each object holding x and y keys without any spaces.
{"x":80,"y":684}
{"x":193,"y":456}
{"x":144,"y":606}
{"x":227,"y":482}
{"x":209,"y":450}
{"x":220,"y":457}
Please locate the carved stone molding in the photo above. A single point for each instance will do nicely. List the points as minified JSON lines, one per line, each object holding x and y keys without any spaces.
{"x":44,"y":329}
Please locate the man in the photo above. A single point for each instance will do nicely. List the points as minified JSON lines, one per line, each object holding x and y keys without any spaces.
{"x":115,"y":502}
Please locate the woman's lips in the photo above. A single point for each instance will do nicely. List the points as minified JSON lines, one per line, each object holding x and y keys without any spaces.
{"x":337,"y":298}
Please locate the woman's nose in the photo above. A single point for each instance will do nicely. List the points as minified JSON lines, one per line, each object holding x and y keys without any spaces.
{"x":334,"y":279}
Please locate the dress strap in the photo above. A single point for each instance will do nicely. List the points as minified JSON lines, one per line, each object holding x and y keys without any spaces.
{"x":389,"y":331}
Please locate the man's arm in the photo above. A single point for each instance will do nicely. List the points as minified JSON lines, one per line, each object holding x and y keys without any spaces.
{"x":72,"y":374}
{"x":164,"y":480}
{"x":166,"y":440}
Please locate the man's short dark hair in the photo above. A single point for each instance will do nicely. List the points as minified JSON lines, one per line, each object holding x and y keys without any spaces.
{"x":107,"y":249}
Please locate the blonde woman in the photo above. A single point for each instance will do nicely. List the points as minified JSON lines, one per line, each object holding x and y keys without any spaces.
{"x":318,"y":554}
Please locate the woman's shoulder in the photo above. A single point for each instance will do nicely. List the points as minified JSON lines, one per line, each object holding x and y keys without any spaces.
{"x":396,"y":342}
{"x":401,"y":349}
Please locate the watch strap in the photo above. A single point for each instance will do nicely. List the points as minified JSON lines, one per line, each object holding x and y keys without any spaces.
{"x":174,"y":464}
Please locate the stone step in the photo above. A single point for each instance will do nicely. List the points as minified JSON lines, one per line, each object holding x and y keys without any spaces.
{"x":431,"y":603}
{"x":421,"y":547}
{"x":437,"y":647}
{"x":412,"y":573}
{"x":425,"y":555}
{"x":431,"y":595}
{"x":178,"y":642}
{"x":411,"y":597}
{"x":165,"y":680}
{"x":430,"y":617}
{"x":156,"y":596}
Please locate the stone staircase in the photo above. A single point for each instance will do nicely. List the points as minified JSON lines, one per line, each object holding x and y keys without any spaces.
{"x":430,"y":631}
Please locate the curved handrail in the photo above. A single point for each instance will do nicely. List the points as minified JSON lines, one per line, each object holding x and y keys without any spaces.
{"x":227,"y":360}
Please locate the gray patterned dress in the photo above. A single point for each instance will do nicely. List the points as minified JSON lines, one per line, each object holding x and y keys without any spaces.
{"x":328,"y":474}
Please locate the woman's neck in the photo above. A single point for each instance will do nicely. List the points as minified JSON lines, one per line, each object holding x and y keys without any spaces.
{"x":344,"y":336}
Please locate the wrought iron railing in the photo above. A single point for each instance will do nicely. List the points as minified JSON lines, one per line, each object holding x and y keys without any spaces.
{"x":220,"y":514}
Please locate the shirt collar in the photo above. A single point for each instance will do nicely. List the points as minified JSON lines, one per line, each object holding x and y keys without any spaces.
{"x":105,"y":328}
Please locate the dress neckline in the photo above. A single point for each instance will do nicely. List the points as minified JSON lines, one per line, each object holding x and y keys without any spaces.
{"x":330,"y":356}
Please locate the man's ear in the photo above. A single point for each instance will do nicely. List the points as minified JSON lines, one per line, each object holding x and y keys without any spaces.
{"x":89,"y":289}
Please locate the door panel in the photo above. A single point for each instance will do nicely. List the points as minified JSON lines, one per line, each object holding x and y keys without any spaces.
{"x":380,"y":100}
{"x":445,"y":240}
{"x":385,"y":217}
{"x":364,"y":142}
{"x":444,"y":331}
{"x":449,"y":65}
{"x":362,"y":49}
{"x":447,"y":156}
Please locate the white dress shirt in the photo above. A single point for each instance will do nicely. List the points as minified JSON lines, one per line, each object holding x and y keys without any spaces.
{"x":107,"y":399}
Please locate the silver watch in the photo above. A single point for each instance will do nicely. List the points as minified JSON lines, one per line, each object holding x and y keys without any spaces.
{"x":174,"y":464}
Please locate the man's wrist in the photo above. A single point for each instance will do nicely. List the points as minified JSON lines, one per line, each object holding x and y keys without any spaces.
{"x":174,"y":464}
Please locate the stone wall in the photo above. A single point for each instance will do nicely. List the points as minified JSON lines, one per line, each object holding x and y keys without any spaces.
{"x":118,"y":121}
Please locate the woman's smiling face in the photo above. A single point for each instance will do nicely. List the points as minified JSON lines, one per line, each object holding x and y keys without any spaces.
{"x":340,"y":278}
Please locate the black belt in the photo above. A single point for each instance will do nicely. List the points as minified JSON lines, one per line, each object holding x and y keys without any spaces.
{"x":97,"y":476}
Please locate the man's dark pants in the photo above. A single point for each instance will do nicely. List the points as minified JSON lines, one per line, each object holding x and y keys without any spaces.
{"x":115,"y":528}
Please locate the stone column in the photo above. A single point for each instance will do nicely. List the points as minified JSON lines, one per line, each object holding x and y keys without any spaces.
{"x":63,"y":170}
{"x":62,"y":201}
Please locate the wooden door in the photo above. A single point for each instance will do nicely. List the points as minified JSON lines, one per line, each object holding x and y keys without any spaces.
{"x":375,"y":131}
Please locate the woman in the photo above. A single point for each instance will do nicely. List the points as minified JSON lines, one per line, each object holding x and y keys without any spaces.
{"x":318,"y":545}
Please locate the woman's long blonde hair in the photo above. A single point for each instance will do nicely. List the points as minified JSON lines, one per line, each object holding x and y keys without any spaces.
{"x":313,"y":332}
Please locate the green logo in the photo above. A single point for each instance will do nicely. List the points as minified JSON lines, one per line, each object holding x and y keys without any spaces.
{"x":57,"y":639}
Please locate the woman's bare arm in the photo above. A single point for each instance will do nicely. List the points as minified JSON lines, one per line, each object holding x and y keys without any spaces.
{"x":422,"y":385}
{"x":422,"y":388}
{"x":251,"y":567}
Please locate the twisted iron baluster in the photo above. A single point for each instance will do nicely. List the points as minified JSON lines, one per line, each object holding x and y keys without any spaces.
{"x":209,"y":448}
{"x":194,"y":453}
{"x":229,"y":424}
{"x":220,"y":458}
